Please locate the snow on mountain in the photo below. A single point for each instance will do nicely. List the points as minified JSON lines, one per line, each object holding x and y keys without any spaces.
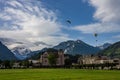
{"x":104,"y":46}
{"x":20,"y":48}
{"x":76,"y":47}
{"x":21,"y":52}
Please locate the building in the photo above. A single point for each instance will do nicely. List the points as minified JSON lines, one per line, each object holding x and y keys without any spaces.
{"x":58,"y":54}
{"x":87,"y":60}
{"x":97,"y":60}
{"x":16,"y":65}
{"x":34,"y":63}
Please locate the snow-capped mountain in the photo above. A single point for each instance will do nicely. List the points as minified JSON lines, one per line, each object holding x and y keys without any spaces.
{"x":18,"y":48}
{"x":76,"y":47}
{"x":21,"y":49}
{"x":21,"y":52}
{"x":104,"y":46}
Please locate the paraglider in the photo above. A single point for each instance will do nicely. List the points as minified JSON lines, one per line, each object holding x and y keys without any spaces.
{"x":68,"y":21}
{"x":96,"y":35}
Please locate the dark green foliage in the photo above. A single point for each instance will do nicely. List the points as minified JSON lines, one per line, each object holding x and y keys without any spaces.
{"x":68,"y":62}
{"x":30,"y":63}
{"x":112,"y":51}
{"x":0,"y":61}
{"x":73,"y":58}
{"x":20,"y":63}
{"x":52,"y":59}
{"x":25,"y":63}
{"x":6,"y":63}
{"x":11,"y":63}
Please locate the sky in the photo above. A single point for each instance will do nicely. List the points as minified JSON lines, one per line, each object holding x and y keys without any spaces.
{"x":36,"y":24}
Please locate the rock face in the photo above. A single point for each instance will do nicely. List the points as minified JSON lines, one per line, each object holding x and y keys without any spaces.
{"x":112,"y":51}
{"x":5,"y":53}
{"x":76,"y":47}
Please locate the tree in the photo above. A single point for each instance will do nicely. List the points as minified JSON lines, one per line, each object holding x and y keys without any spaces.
{"x":25,"y":63}
{"x":6,"y":63}
{"x":20,"y":63}
{"x":11,"y":63}
{"x":30,"y":63}
{"x":52,"y":59}
{"x":68,"y":62}
{"x":0,"y":61}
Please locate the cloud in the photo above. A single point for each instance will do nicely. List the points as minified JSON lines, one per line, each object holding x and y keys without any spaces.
{"x":106,"y":10}
{"x":117,"y":37}
{"x":107,"y":14}
{"x":98,"y":27}
{"x":29,"y":22}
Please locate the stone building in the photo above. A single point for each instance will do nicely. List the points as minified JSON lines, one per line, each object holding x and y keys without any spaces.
{"x":97,"y":60}
{"x":58,"y":54}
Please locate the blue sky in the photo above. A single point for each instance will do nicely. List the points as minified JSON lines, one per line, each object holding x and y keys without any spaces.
{"x":77,"y":11}
{"x":44,"y":21}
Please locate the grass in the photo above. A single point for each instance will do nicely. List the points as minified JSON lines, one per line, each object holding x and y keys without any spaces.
{"x":58,"y":74}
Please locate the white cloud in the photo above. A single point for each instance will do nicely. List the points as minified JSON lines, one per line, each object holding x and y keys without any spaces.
{"x":107,"y":13}
{"x":117,"y":37}
{"x":98,"y":28}
{"x":14,"y":3}
{"x":106,"y":10}
{"x":30,"y":23}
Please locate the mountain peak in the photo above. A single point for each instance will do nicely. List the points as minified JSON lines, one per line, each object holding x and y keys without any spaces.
{"x":104,"y":46}
{"x":76,"y":47}
{"x":79,"y":41}
{"x":21,"y":52}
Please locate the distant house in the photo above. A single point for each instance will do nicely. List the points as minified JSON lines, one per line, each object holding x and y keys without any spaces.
{"x":59,"y":57}
{"x":34,"y":63}
{"x":97,"y":60}
{"x":87,"y":60}
{"x":16,"y":65}
{"x":102,"y":62}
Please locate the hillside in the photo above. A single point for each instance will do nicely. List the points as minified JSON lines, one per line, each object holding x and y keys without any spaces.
{"x":112,"y":51}
{"x":104,"y":46}
{"x":5,"y":53}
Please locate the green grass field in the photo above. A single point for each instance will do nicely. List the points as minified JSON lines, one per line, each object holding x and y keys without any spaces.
{"x":58,"y":74}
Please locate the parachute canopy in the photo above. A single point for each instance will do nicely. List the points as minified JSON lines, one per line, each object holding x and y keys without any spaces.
{"x":95,"y":34}
{"x":68,"y":21}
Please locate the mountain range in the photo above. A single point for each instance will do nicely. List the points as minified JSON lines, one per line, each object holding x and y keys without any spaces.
{"x":76,"y":47}
{"x":69,"y":47}
{"x":20,"y":49}
{"x":104,"y":46}
{"x":21,"y":52}
{"x":112,"y":51}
